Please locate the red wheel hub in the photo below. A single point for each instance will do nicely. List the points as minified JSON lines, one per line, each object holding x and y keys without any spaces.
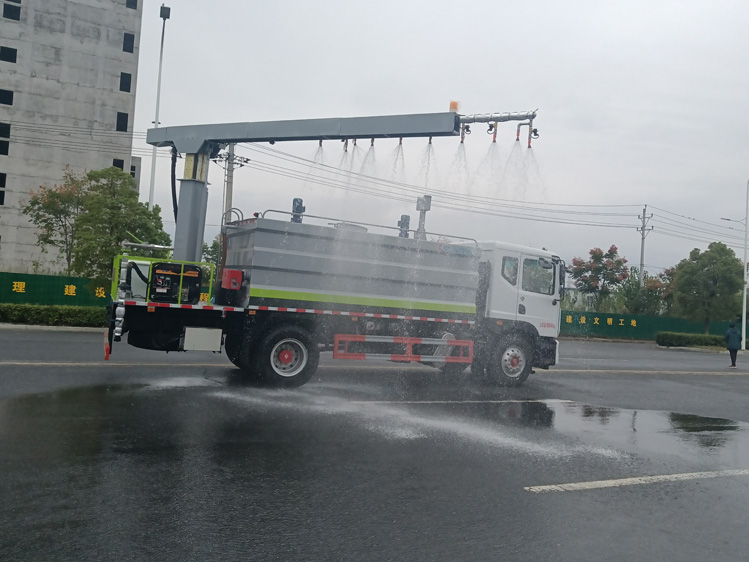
{"x":514,"y":362}
{"x":286,"y":357}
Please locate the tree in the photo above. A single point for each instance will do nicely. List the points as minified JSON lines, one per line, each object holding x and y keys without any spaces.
{"x":646,"y":299}
{"x":54,"y":210}
{"x":707,"y":284}
{"x":666,"y":277}
{"x":601,"y":274}
{"x":112,"y":214}
{"x":212,"y":253}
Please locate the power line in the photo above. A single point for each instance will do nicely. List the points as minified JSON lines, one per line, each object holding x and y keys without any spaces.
{"x":337,"y":184}
{"x":350,"y":173}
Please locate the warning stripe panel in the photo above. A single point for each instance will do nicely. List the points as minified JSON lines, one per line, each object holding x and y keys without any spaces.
{"x":341,"y":341}
{"x":219,"y":308}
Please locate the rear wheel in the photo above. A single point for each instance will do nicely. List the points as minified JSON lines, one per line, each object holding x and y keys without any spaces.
{"x":511,"y":362}
{"x":287,"y":357}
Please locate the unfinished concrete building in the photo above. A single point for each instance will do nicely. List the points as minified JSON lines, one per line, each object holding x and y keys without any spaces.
{"x":68,"y":72}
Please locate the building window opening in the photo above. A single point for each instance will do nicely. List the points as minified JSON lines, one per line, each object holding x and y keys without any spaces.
{"x":6,"y":97}
{"x":122,"y":122}
{"x":118,"y":163}
{"x":11,"y":12}
{"x":128,"y":43}
{"x":8,"y":55}
{"x":4,"y":134}
{"x":125,"y":80}
{"x":132,"y":4}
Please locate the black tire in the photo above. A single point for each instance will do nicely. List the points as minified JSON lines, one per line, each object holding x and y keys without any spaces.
{"x":511,"y":362}
{"x":287,"y":357}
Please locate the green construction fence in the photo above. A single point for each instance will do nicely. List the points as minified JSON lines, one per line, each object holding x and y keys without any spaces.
{"x":628,"y":326}
{"x":20,"y":288}
{"x":26,"y":288}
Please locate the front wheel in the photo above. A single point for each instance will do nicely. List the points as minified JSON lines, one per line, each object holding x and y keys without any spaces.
{"x":287,"y":357}
{"x":511,"y":362}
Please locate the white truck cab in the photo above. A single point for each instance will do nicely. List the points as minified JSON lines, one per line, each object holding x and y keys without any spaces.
{"x":526,"y":285}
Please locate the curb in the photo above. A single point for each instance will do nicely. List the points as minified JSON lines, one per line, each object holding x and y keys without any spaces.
{"x":700,"y":349}
{"x":33,"y":327}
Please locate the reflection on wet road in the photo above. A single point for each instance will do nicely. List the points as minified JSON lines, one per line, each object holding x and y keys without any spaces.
{"x":199,"y":467}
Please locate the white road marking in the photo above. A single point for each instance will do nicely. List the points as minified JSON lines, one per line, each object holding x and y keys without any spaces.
{"x":617,"y":483}
{"x":551,"y":401}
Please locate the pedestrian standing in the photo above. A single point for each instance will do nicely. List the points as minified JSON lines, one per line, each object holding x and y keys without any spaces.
{"x":733,"y":343}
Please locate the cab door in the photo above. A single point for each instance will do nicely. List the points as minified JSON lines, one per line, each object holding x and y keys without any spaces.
{"x":538,"y":300}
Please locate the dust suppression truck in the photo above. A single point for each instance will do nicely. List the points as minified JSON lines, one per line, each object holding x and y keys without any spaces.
{"x":291,"y":287}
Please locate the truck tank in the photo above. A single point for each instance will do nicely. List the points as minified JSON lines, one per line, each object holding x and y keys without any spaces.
{"x":287,"y":264}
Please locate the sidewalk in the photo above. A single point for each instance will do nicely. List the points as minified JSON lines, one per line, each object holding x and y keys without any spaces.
{"x":51,"y":328}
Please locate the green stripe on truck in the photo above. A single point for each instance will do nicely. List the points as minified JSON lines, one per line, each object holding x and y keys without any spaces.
{"x":362,"y":301}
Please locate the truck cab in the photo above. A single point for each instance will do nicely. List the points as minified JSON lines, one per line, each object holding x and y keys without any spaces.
{"x":525,"y":286}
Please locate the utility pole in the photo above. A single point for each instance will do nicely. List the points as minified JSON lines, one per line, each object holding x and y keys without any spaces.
{"x":229,"y":189}
{"x":643,"y":230}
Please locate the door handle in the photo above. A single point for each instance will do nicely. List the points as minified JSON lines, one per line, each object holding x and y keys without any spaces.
{"x":521,"y":309}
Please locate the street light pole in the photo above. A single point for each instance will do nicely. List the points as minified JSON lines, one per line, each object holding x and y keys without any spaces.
{"x":743,"y":300}
{"x":164,"y":14}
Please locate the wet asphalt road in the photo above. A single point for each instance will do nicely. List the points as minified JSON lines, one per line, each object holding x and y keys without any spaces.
{"x":171,"y":457}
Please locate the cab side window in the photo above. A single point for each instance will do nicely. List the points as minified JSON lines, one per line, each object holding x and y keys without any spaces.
{"x":537,"y":279}
{"x":510,"y":269}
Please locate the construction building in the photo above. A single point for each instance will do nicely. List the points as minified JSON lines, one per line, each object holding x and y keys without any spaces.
{"x":68,"y":75}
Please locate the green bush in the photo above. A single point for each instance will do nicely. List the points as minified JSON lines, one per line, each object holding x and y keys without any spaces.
{"x":53,"y":315}
{"x":676,"y":339}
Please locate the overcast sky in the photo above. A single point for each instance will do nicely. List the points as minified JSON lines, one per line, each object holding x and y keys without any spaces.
{"x":639,"y":103}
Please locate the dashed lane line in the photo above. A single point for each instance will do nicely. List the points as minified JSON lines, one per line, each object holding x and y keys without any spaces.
{"x":637,"y":481}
